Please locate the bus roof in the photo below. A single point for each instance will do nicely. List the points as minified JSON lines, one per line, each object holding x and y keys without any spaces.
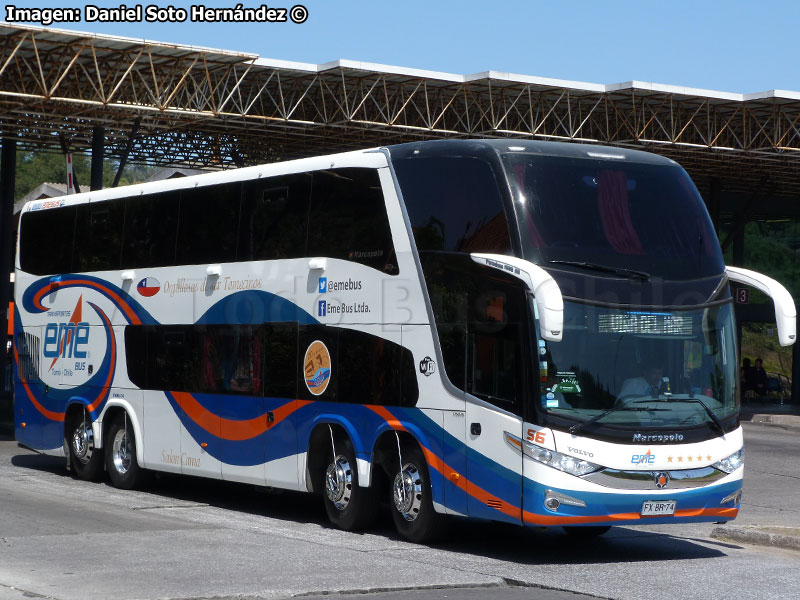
{"x":371,"y":157}
{"x":510,"y":145}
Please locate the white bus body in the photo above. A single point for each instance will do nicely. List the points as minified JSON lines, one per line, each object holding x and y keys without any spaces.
{"x":317,"y":325}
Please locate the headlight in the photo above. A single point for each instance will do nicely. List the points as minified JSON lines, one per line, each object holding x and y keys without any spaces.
{"x":730,"y":464}
{"x":562,"y":462}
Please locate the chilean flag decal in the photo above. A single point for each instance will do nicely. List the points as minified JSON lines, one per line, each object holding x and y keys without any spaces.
{"x":148,"y":286}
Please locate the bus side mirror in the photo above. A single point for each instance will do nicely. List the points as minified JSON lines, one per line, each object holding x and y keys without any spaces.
{"x":785,"y":312}
{"x":546,"y":293}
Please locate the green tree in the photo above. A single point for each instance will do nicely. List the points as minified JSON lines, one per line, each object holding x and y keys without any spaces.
{"x":35,"y":168}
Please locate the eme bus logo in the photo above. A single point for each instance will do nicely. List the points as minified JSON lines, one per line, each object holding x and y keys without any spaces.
{"x":67,"y":339}
{"x":643,"y":459}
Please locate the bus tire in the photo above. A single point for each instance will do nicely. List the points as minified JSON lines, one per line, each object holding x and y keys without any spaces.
{"x":123,"y":469}
{"x":411,"y":501}
{"x":348,"y":505}
{"x":586,"y":532}
{"x":86,"y":460}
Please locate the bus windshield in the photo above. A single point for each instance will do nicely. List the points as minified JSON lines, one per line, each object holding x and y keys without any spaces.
{"x":646,"y":368}
{"x":643,"y":217}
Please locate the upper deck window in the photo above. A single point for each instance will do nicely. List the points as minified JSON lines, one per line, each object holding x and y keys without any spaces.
{"x":454,"y":204}
{"x":338,"y":213}
{"x":348,"y":219}
{"x":615,"y":213}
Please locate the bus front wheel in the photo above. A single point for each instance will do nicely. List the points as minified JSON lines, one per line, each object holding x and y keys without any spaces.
{"x":411,"y":502}
{"x":85,"y":459}
{"x":349,"y":506}
{"x":123,"y":470}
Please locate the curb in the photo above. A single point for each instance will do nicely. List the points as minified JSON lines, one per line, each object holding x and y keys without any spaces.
{"x":787,"y":538}
{"x":778,"y":419}
{"x":792,"y":422}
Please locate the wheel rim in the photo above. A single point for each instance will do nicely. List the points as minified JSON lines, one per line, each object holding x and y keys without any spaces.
{"x":120,"y":452}
{"x":339,"y":482}
{"x":83,"y":442}
{"x":407,"y":492}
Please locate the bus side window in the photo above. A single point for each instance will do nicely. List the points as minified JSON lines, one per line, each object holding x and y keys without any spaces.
{"x":207,"y":226}
{"x":280,"y":360}
{"x":373,"y":370}
{"x":46,"y":240}
{"x":348,"y":219}
{"x":453,"y":204}
{"x":274,"y":218}
{"x":151,"y":225}
{"x":136,"y":356}
{"x":480,"y":318}
{"x":99,"y":228}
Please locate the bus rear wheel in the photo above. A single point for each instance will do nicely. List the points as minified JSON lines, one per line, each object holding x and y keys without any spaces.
{"x":85,"y":459}
{"x":411,"y":502}
{"x":123,"y":469}
{"x":348,"y":505}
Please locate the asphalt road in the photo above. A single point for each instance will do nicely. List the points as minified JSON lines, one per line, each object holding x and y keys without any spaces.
{"x":188,"y":538}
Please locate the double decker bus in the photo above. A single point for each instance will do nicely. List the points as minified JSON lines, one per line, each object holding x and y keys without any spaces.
{"x":535,"y":333}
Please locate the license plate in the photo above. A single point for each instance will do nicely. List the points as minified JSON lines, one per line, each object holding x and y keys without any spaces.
{"x":658,"y":508}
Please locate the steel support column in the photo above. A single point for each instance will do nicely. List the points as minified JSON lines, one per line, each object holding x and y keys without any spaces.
{"x":8,"y":160}
{"x":98,"y":144}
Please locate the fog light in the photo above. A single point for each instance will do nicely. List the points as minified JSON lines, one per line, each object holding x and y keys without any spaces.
{"x":552,"y":504}
{"x":552,"y":500}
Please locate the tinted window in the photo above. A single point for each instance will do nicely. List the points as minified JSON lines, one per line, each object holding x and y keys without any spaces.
{"x":365,"y":369}
{"x":222,"y":359}
{"x":615,"y":213}
{"x":99,"y":229}
{"x":454,"y":204}
{"x":151,"y":225}
{"x":274,"y":218}
{"x":208,"y":222}
{"x":348,"y":219}
{"x":46,"y":240}
{"x":480,"y":316}
{"x":373,"y":370}
{"x":280,"y":359}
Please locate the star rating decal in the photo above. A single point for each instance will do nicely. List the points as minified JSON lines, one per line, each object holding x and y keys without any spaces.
{"x":680,"y":459}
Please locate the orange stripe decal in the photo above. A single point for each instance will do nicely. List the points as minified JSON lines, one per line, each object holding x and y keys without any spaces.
{"x":230,"y":429}
{"x":132,"y":318}
{"x":111,"y":368}
{"x":536,"y":519}
{"x":446,"y":470}
{"x":387,"y":416}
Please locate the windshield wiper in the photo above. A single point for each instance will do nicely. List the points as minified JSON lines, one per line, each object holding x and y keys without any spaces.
{"x":583,"y":424}
{"x":630,"y":273}
{"x":714,"y":418}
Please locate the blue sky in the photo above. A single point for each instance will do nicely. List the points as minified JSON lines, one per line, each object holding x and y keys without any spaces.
{"x":731,"y":46}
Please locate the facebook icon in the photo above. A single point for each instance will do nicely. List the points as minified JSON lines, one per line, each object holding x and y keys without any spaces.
{"x":323,"y":285}
{"x":322,"y":308}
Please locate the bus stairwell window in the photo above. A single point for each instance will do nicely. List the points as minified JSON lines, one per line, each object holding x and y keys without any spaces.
{"x":348,"y":219}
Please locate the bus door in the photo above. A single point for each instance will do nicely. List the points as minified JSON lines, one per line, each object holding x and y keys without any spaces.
{"x":258,"y":432}
{"x":493,"y":465}
{"x":495,"y":378}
